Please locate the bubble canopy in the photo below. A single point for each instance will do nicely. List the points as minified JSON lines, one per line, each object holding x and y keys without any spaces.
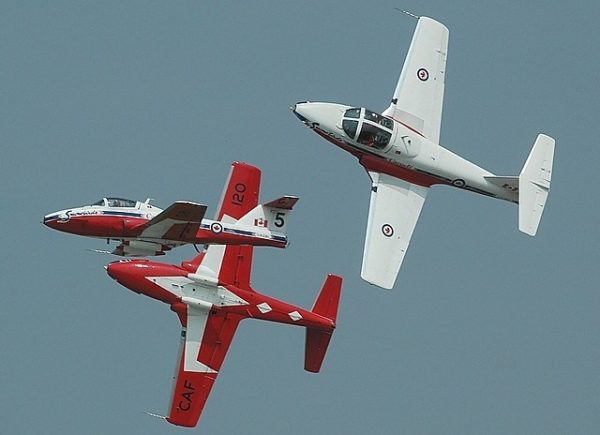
{"x":115,"y":202}
{"x":368,"y":128}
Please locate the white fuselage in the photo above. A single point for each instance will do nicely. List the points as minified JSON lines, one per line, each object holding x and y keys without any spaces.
{"x":403,"y":146}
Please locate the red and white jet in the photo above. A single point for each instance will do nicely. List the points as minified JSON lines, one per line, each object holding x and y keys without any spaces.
{"x":400,"y":150}
{"x":145,"y":230}
{"x":211,"y":294}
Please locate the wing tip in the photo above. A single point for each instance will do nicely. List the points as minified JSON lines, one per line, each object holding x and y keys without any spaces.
{"x":378,"y":281}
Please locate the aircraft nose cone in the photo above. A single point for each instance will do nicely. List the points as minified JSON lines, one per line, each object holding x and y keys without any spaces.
{"x":117,"y":270}
{"x":53,"y":219}
{"x":297,"y":110}
{"x":324,"y":116}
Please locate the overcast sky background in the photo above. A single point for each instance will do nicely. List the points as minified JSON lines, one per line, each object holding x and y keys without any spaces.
{"x":486,"y":331}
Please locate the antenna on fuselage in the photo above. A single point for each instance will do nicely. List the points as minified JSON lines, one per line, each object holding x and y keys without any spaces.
{"x":410,"y":14}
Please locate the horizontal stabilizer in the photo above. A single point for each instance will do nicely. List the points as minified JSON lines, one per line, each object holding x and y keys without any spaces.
{"x":317,"y":343}
{"x":534,"y":184}
{"x":317,"y":340}
{"x":286,"y":202}
{"x":509,"y":184}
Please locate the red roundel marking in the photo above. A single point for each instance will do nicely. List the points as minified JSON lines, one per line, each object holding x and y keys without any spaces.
{"x":216,"y":227}
{"x":422,"y":74}
{"x":387,"y":230}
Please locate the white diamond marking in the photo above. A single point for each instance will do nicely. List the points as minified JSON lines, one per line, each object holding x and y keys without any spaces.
{"x":295,"y":316}
{"x":264,"y":307}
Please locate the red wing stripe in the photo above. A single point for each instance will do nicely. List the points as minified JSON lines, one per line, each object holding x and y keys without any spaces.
{"x":195,"y":380}
{"x":189,"y":397}
{"x":236,"y":267}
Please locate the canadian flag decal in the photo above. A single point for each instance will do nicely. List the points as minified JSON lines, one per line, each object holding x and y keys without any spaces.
{"x":260,"y":222}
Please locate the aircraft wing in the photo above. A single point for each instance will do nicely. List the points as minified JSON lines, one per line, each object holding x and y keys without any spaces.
{"x":229,"y":264}
{"x":205,"y":340}
{"x":393,"y":214}
{"x":174,"y":226}
{"x":180,"y":221}
{"x":419,"y":94}
{"x":241,"y":192}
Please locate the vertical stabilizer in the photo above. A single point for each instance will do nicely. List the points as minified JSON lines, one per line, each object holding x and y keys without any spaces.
{"x":534,"y":184}
{"x":272,"y":215}
{"x":317,"y":340}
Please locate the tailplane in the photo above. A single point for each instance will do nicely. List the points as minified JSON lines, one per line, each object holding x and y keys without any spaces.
{"x":317,"y":340}
{"x":534,"y":184}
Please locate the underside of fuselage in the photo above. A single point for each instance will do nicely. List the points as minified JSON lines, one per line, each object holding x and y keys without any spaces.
{"x":376,"y":161}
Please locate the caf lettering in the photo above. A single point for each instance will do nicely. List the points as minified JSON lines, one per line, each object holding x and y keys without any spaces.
{"x":186,"y":403}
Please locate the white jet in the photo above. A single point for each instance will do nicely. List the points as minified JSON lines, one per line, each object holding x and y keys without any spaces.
{"x":400,"y":150}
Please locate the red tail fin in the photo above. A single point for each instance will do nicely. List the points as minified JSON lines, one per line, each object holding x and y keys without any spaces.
{"x":328,"y":300}
{"x":317,"y":340}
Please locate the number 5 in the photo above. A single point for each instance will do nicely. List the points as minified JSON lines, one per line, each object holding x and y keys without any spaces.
{"x":279,"y":222}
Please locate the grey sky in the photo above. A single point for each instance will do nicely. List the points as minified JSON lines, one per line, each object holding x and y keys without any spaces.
{"x":487,"y":330}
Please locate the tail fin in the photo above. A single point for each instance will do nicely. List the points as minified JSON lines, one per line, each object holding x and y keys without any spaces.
{"x":271,"y":215}
{"x":241,"y":192}
{"x":317,"y":340}
{"x":534,"y":184}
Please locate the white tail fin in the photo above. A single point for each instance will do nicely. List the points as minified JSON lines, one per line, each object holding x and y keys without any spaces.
{"x":272,"y":215}
{"x":534,"y":184}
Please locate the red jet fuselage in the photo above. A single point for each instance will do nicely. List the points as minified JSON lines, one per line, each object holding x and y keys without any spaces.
{"x":166,"y":282}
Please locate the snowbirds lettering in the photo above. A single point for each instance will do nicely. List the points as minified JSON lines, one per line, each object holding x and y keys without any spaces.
{"x":400,"y":150}
{"x":144,"y":229}
{"x":211,"y":294}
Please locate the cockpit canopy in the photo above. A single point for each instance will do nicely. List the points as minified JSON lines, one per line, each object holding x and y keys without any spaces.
{"x":367,"y":127}
{"x":116,"y":202}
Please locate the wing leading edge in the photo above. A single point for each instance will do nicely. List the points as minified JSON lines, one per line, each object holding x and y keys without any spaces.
{"x":393,"y":213}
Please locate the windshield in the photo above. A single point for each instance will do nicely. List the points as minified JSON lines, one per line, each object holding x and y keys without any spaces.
{"x":120,"y":202}
{"x":352,"y":113}
{"x":379,"y":119}
{"x":373,"y":136}
{"x":350,"y":127}
{"x":100,"y":203}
